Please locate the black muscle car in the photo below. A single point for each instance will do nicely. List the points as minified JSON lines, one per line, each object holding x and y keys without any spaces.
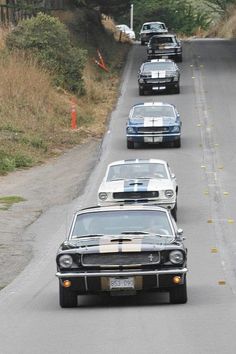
{"x":159,"y":75}
{"x":165,"y":46}
{"x":122,"y":250}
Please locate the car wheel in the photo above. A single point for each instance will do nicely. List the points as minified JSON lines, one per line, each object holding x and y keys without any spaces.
{"x":174,"y":212}
{"x":176,"y":89}
{"x":178,"y":294}
{"x":67,"y":298}
{"x":177,"y":143}
{"x":179,"y":58}
{"x":141,"y":91}
{"x":130,"y":144}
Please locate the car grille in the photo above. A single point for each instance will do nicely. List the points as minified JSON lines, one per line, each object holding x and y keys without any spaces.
{"x":158,"y":81}
{"x":144,"y":130}
{"x":164,"y":51}
{"x":121,"y":259}
{"x":136,"y":195}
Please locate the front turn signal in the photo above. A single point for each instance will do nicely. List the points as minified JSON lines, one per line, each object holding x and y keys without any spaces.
{"x":177,"y":279}
{"x":66,"y":283}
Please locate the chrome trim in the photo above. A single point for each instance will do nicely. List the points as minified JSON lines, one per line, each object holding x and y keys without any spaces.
{"x":152,"y":135}
{"x":124,"y":265}
{"x":120,"y":274}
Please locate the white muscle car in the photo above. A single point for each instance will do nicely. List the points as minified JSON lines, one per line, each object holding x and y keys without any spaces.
{"x":139,"y":181}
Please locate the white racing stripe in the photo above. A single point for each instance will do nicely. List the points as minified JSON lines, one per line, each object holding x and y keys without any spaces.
{"x":153,"y":122}
{"x":158,"y":74}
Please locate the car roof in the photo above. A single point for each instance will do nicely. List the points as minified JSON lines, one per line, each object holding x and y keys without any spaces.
{"x":122,"y":25}
{"x":159,"y":61}
{"x":153,"y":104}
{"x":122,"y":207}
{"x":148,"y":23}
{"x":134,"y":161}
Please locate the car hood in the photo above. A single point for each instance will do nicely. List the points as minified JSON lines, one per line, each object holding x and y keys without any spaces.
{"x":119,"y":243}
{"x":152,"y":121}
{"x":136,"y":185}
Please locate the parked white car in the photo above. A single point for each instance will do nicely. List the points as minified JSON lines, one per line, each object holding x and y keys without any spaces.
{"x":128,"y":31}
{"x":139,"y":181}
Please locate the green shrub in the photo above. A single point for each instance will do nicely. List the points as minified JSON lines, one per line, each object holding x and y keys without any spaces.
{"x":10,"y":162}
{"x":22,"y":161}
{"x":48,"y":39}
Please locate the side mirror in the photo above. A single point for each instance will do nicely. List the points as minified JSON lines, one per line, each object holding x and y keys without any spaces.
{"x":173,"y":176}
{"x":180,"y":232}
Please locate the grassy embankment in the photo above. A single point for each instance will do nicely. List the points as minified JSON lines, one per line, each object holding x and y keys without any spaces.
{"x":226,"y":26}
{"x":35,"y":116}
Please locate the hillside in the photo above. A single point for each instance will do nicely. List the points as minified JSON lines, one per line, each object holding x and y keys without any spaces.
{"x":35,"y":115}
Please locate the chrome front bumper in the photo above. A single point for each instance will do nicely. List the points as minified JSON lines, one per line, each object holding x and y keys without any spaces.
{"x":121,"y":274}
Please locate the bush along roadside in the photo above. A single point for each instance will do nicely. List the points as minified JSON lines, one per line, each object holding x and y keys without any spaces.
{"x":39,"y":79}
{"x":48,"y":40}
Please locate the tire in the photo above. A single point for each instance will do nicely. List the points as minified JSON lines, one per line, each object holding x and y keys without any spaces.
{"x":130,"y":144}
{"x":141,"y":92}
{"x":176,"y":89}
{"x":67,"y":298}
{"x":174,"y":212}
{"x":178,"y":294}
{"x":179,"y":58}
{"x":177,"y":143}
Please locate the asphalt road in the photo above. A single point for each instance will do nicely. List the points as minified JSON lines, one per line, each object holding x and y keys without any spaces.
{"x":32,"y":321}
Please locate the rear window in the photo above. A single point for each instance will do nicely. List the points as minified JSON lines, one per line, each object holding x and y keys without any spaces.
{"x":162,"y":40}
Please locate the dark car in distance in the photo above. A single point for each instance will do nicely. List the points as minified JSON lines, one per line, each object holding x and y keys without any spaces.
{"x":122,"y":250}
{"x":158,"y":75}
{"x":165,"y":46}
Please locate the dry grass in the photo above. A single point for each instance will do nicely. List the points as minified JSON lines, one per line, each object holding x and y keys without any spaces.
{"x":35,"y":117}
{"x":3,"y":33}
{"x":225,"y":28}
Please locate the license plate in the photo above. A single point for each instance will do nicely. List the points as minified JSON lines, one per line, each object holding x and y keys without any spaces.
{"x":121,"y":283}
{"x":148,"y":139}
{"x":157,"y":139}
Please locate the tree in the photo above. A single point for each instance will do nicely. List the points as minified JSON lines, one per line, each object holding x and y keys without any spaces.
{"x":108,"y":7}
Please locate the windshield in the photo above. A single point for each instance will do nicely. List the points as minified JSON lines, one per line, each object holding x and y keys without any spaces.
{"x":153,"y":111}
{"x":139,"y":222}
{"x":162,"y":40}
{"x":153,"y":26}
{"x":158,"y":66}
{"x":137,"y":170}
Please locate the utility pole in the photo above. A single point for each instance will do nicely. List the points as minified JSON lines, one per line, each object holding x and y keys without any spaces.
{"x":131,"y":16}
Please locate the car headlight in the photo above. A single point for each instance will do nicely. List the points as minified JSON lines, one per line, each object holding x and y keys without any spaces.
{"x":176,"y":78}
{"x":169,"y":193}
{"x":175,"y":129}
{"x":65,"y":261}
{"x":176,"y":257}
{"x":102,"y":195}
{"x":141,"y":81}
{"x":130,"y":130}
{"x":178,"y":50}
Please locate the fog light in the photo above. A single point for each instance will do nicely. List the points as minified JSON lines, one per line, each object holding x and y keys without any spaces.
{"x":66,"y":283}
{"x":177,"y":279}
